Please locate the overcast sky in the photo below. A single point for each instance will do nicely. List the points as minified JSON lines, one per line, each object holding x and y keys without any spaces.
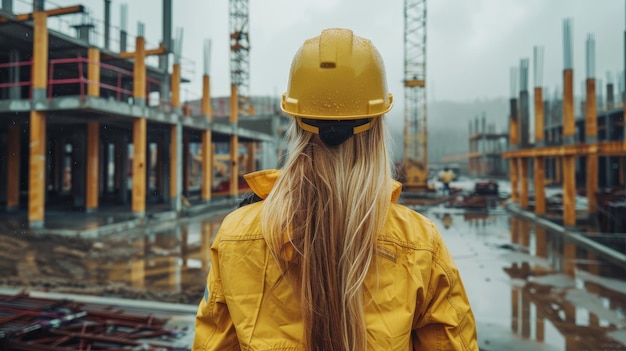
{"x":471,"y":44}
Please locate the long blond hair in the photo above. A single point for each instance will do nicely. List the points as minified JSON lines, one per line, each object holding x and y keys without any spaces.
{"x":321,"y":221}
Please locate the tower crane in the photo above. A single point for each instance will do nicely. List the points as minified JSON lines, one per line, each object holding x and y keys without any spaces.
{"x":415,"y":129}
{"x":240,"y":52}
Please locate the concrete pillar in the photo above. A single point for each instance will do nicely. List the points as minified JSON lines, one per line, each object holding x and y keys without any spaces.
{"x":107,"y":24}
{"x":207,"y":165}
{"x":40,"y":56}
{"x":234,"y":142}
{"x":14,"y":75}
{"x":176,"y":87}
{"x":93,"y":72}
{"x":13,"y":167}
{"x":524,"y":125}
{"x":93,"y":163}
{"x":174,"y":146}
{"x":139,"y":70}
{"x":539,"y":184}
{"x":38,"y":5}
{"x":569,"y":124}
{"x":591,"y":137}
{"x":139,"y":166}
{"x":167,"y":43}
{"x":79,"y":171}
{"x":37,"y":169}
{"x":569,"y":191}
{"x":207,"y":149}
{"x":7,"y":6}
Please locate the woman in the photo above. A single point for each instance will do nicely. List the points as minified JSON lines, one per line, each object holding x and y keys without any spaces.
{"x":327,"y":260}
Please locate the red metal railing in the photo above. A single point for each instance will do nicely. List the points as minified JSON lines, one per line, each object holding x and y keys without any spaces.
{"x":11,"y":65}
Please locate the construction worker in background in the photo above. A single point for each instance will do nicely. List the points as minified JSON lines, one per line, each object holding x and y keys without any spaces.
{"x":446,"y":177}
{"x":326,"y":259}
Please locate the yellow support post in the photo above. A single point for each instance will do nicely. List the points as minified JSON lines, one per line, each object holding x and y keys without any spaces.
{"x":175,"y":86}
{"x":207,"y":144}
{"x":591,"y":136}
{"x":523,"y":169}
{"x":37,"y":174}
{"x":139,"y":166}
{"x":173,"y":161}
{"x":40,"y":55}
{"x":539,"y":183}
{"x":206,"y":97}
{"x":539,"y":125}
{"x":139,"y":70}
{"x":250,"y":167}
{"x":234,"y":142}
{"x":569,"y":191}
{"x":207,"y":165}
{"x":93,"y":153}
{"x":13,"y":167}
{"x":539,"y":163}
{"x":569,"y":124}
{"x":37,"y":167}
{"x":93,"y":72}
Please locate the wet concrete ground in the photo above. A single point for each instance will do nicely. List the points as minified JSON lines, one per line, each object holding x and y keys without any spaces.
{"x":530,"y":289}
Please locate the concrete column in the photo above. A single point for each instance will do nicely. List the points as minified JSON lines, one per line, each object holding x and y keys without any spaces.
{"x":569,"y":124}
{"x":207,"y":165}
{"x":174,"y":146}
{"x":14,"y":75}
{"x":107,"y":24}
{"x":37,"y":169}
{"x":93,"y":72}
{"x":176,"y":88}
{"x":38,"y":5}
{"x":139,"y":70}
{"x":139,"y":166}
{"x":93,"y":162}
{"x":591,"y":137}
{"x":13,"y":167}
{"x":234,"y":142}
{"x":7,"y":6}
{"x":569,"y":191}
{"x":79,"y":170}
{"x":40,"y":56}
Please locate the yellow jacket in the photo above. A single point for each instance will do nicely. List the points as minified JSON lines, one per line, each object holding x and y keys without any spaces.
{"x":418,"y":298}
{"x":447,"y":176}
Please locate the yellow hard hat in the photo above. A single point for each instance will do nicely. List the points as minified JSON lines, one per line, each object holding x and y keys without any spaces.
{"x":336,"y":76}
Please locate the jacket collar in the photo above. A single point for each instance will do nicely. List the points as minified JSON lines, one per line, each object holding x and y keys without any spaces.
{"x":262,"y":182}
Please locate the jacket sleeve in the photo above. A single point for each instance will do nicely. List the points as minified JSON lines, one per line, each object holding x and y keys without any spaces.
{"x":214,"y":327}
{"x":446,"y":321}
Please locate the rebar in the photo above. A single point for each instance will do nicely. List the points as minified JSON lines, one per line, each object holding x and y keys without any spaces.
{"x":568,"y":46}
{"x":591,"y":56}
{"x":538,"y":66}
{"x":523,"y":75}
{"x":207,"y":56}
{"x":514,"y":86}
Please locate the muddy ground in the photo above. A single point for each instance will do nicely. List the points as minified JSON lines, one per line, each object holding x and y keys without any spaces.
{"x":79,"y":266}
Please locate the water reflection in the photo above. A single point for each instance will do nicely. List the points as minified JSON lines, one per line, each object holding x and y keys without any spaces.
{"x":560,"y":295}
{"x":167,"y":264}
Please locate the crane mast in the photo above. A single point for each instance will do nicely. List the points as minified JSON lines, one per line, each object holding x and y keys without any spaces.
{"x":415,"y":131}
{"x":240,"y":52}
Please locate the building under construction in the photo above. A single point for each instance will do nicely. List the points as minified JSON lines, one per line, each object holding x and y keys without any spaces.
{"x":583,"y":152}
{"x":486,"y":146}
{"x":83,"y":126}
